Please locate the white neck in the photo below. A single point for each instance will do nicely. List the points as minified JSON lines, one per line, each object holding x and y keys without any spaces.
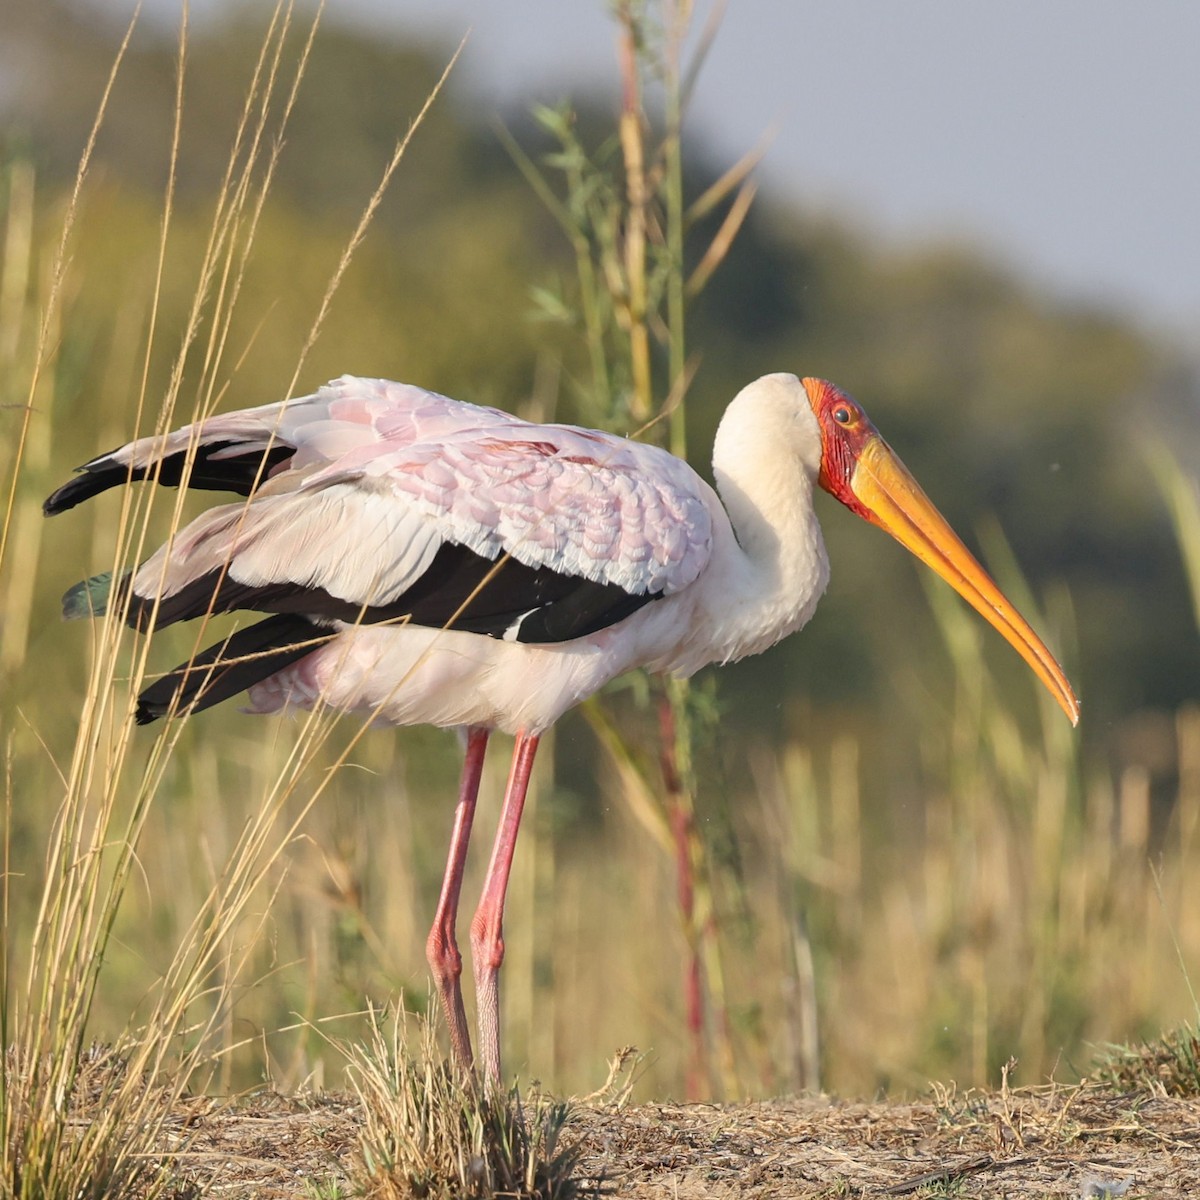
{"x":770,"y":568}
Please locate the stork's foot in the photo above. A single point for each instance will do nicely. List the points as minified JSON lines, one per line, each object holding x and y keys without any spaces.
{"x":446,"y":964}
{"x":487,"y":953}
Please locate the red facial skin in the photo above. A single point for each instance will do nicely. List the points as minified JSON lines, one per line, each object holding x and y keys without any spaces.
{"x":845,"y":429}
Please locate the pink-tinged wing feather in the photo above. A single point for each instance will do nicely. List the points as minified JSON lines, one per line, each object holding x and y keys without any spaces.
{"x":580,"y":502}
{"x":346,"y":414}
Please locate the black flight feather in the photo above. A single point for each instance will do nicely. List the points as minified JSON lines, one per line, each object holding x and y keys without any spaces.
{"x":460,"y":590}
{"x":243,"y":659}
{"x":238,"y":474}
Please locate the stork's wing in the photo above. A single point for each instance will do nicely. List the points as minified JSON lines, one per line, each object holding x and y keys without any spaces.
{"x":398,"y":505}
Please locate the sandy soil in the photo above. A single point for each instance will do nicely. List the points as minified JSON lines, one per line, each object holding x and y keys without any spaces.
{"x":1086,"y":1142}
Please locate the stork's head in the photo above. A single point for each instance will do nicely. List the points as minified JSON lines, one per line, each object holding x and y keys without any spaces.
{"x":862,"y":471}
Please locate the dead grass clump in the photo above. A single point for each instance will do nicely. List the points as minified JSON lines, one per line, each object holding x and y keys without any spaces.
{"x":89,"y":1131}
{"x":1168,"y":1065}
{"x":426,"y":1132}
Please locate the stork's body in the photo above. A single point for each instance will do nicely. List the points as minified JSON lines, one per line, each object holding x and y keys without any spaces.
{"x":431,"y":562}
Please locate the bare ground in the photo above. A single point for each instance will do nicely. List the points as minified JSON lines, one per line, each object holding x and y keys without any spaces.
{"x":1084,"y":1141}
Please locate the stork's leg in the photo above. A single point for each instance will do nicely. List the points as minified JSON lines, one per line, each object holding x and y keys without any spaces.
{"x":442,"y":947}
{"x":487,"y":940}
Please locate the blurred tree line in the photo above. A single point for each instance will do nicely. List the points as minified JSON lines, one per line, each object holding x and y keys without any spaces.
{"x":1007,"y":404}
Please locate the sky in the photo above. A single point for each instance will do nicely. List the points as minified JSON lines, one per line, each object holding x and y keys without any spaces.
{"x":1063,"y":136}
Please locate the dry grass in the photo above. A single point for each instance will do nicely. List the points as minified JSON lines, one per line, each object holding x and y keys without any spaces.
{"x":1083,"y":1141}
{"x":424,"y":1131}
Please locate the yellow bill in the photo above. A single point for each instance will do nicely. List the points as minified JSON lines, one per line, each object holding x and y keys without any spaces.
{"x":894,"y":501}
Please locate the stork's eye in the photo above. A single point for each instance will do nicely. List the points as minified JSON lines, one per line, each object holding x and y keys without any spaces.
{"x":841,"y":415}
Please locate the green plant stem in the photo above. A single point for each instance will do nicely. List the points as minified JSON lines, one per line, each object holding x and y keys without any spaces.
{"x":641,"y":403}
{"x":673,"y":201}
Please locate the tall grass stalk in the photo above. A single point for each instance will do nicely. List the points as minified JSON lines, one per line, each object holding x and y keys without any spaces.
{"x":67,"y":1128}
{"x":1179,"y":491}
{"x":623,"y":209}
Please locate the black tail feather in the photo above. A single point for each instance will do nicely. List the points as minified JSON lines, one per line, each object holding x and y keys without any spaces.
{"x":243,"y":659}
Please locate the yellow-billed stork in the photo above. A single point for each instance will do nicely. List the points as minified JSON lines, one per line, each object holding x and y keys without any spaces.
{"x":426,"y":561}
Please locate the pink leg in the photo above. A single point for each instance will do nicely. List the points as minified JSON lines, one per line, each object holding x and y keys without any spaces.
{"x":487,"y":939}
{"x":442,"y":947}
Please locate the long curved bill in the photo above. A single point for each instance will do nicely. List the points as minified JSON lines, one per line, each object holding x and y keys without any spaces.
{"x":894,"y":501}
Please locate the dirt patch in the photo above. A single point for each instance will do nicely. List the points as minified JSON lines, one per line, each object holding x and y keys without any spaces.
{"x":1073,"y":1142}
{"x":1056,"y":1142}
